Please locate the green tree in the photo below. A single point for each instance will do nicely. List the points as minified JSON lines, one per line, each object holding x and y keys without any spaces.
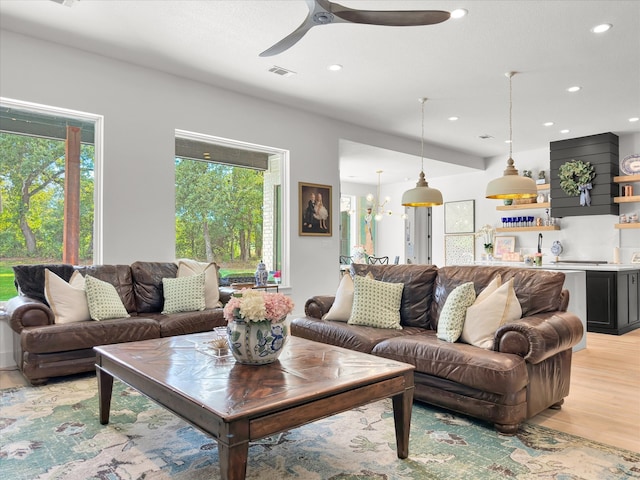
{"x":218,"y":211}
{"x":32,"y":184}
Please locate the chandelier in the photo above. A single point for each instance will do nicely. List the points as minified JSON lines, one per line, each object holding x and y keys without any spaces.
{"x":376,"y":205}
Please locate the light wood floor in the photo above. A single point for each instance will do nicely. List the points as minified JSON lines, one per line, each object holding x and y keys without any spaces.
{"x":604,"y":401}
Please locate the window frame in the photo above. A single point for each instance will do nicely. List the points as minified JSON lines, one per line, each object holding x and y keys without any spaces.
{"x":285,"y":209}
{"x":98,"y":121}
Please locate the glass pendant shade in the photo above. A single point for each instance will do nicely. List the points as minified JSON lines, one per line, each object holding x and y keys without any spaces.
{"x":511,"y":185}
{"x":422,"y":195}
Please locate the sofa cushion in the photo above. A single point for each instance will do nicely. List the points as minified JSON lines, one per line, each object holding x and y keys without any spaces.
{"x":183,"y":294}
{"x":68,"y":301}
{"x":117,"y":275}
{"x":418,"y":283}
{"x":103,"y":300}
{"x":538,"y":291}
{"x":183,"y":323}
{"x":341,"y":308}
{"x":29,"y":279}
{"x":485,"y":317}
{"x":485,"y":370}
{"x":454,"y":312}
{"x":376,"y":303}
{"x":354,"y":337}
{"x":188,"y":267}
{"x":147,"y":284}
{"x":81,"y":335}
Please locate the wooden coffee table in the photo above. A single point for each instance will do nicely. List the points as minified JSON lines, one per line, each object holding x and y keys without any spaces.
{"x":237,"y":403}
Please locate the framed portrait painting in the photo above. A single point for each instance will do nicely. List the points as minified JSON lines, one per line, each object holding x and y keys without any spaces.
{"x":315,"y":209}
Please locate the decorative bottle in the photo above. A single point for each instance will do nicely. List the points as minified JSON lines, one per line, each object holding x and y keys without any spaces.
{"x":261,"y":274}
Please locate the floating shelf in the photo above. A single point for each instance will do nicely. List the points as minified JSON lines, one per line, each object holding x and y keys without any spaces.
{"x":544,"y":186}
{"x":524,"y":206}
{"x":620,"y":226}
{"x":531,"y":229}
{"x":629,"y":199}
{"x":627,"y":178}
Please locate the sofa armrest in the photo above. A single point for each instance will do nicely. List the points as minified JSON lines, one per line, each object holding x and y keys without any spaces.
{"x":318,"y":306}
{"x":538,"y":337}
{"x":28,"y":312}
{"x":225,"y":294}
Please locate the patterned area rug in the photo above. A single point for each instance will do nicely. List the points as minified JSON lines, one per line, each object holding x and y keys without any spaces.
{"x":53,"y":432}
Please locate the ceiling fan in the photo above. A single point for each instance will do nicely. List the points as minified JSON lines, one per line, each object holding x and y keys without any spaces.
{"x":324,"y":12}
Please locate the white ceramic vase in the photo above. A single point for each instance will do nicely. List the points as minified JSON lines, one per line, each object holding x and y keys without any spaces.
{"x":256,"y":343}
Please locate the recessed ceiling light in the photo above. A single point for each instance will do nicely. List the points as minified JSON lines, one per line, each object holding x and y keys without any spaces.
{"x":335,"y":67}
{"x":507,"y":141}
{"x":547,"y":124}
{"x":603,"y":27}
{"x":564,"y":131}
{"x":453,"y":119}
{"x":458,"y":13}
{"x":574,"y":89}
{"x":634,"y":119}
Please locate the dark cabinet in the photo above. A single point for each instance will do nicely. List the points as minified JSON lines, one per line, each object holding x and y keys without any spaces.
{"x":613,"y":301}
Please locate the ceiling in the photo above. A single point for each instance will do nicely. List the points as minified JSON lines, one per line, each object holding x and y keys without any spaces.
{"x":458,"y":64}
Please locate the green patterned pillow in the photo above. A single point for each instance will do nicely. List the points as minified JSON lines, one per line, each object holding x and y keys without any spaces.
{"x":453,"y":313}
{"x":103,"y":299}
{"x":183,"y":294}
{"x":376,"y":303}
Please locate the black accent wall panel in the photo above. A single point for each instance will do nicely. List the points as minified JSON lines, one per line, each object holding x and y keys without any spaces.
{"x":602,"y":152}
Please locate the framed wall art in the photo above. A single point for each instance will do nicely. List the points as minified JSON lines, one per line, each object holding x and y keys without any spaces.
{"x":504,"y":245}
{"x":315,"y":209}
{"x":459,"y":249}
{"x":459,"y":217}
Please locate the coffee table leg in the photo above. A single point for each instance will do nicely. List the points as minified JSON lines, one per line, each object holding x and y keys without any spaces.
{"x":402,"y":405}
{"x":105,"y":387}
{"x":233,"y":460}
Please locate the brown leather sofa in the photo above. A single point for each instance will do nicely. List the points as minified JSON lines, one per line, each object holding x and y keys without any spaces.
{"x":527,"y":371}
{"x":44,"y":349}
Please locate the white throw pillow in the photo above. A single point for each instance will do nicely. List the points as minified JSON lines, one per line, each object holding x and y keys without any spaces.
{"x":485,"y":317}
{"x":453,"y":312}
{"x":188,"y":267}
{"x":68,"y":301}
{"x":184,"y":294}
{"x":375,"y":303}
{"x":103,"y":299}
{"x":489,"y":289}
{"x":343,"y":301}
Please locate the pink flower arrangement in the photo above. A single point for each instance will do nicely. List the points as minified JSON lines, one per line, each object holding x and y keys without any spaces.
{"x":257,"y":306}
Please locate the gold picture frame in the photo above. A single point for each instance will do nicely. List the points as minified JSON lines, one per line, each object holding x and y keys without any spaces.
{"x":315,"y":209}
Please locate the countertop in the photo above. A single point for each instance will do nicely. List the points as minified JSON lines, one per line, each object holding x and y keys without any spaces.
{"x":606,"y":267}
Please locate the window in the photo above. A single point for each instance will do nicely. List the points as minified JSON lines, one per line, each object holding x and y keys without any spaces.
{"x":229,"y":205}
{"x":48,"y":159}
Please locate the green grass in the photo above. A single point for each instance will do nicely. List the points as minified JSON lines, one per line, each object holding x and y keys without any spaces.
{"x":7,"y":289}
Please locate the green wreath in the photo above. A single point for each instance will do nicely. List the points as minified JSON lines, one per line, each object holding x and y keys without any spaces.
{"x":574,"y":174}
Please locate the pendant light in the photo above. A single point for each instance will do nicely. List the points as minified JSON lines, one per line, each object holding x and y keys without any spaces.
{"x":511,"y":185}
{"x":422,"y":195}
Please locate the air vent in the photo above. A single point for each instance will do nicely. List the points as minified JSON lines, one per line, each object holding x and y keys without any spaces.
{"x":283,"y":72}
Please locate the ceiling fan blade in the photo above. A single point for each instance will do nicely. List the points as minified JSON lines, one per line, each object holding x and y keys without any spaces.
{"x":291,"y":39}
{"x":392,"y":18}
